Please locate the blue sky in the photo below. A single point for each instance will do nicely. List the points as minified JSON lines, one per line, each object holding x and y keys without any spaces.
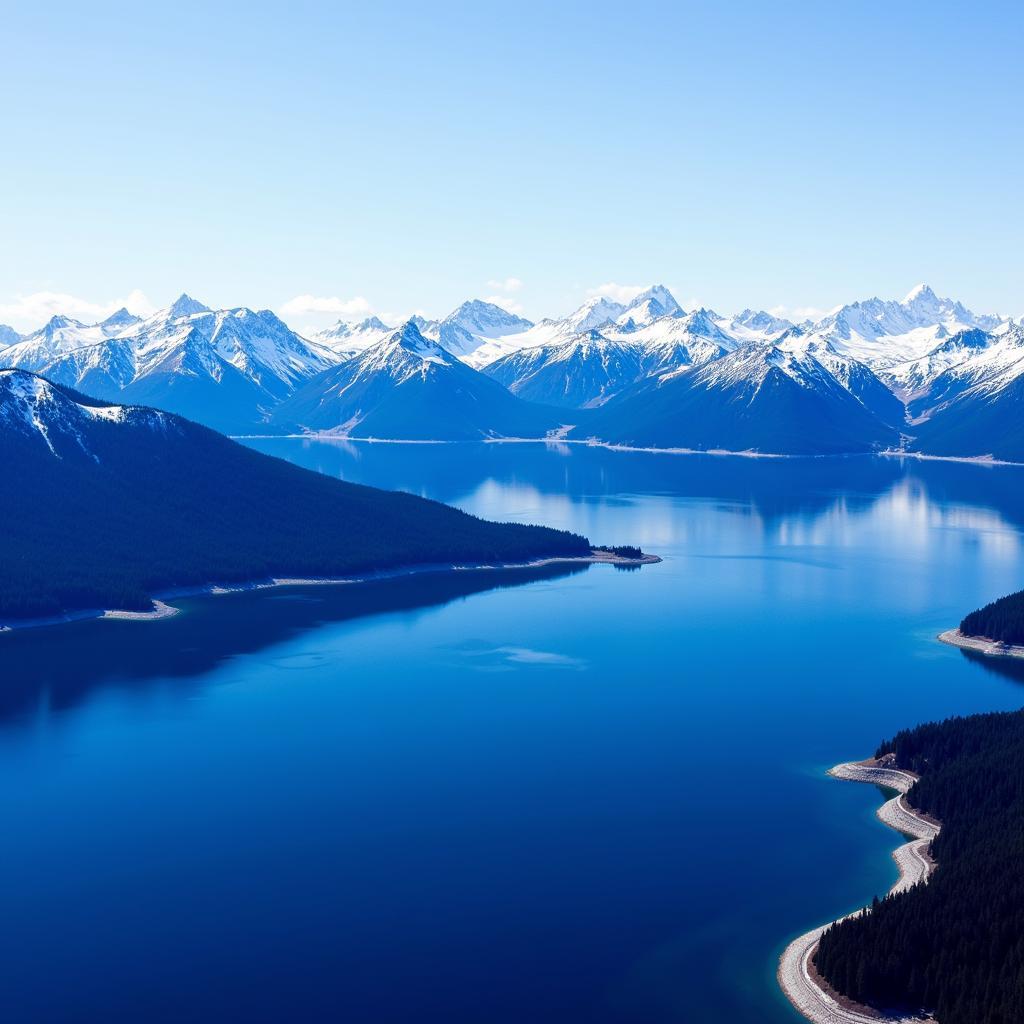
{"x":396,"y":157}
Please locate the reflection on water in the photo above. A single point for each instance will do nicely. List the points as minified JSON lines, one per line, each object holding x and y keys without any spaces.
{"x":555,"y":796}
{"x":56,"y":670}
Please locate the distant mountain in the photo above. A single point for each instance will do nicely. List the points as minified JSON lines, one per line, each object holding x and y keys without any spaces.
{"x":410,"y":387}
{"x":974,"y":408}
{"x":585,"y":370}
{"x":581,"y":372}
{"x":650,"y":305}
{"x":8,"y":336}
{"x":486,"y":320}
{"x":346,"y":337}
{"x":57,"y":337}
{"x":756,"y":324}
{"x":913,"y":379}
{"x":883,"y":334}
{"x":119,"y":322}
{"x":851,"y":374}
{"x":113,"y":503}
{"x":925,"y":367}
{"x":477,"y":332}
{"x":593,"y":314}
{"x":757,"y":398}
{"x":226,"y":368}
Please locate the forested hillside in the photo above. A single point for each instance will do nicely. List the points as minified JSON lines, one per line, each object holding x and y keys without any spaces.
{"x":102,"y":505}
{"x":953,"y":947}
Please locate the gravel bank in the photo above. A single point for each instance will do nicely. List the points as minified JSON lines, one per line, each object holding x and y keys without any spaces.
{"x":796,"y":976}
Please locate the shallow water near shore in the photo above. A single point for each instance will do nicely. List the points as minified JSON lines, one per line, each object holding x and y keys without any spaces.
{"x":555,"y":795}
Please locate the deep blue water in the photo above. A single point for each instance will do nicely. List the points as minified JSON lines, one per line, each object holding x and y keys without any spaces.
{"x":484,"y":798}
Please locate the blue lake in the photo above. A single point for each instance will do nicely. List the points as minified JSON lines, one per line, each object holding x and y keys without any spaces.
{"x":490,"y":798}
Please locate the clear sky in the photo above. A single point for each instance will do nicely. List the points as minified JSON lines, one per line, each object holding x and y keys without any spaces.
{"x":392,"y":157}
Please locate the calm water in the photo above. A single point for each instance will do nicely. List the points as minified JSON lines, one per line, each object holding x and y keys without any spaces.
{"x":492,"y":798}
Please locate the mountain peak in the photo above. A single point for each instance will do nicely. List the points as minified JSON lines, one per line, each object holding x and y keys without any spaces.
{"x":121,"y":318}
{"x":409,"y":338}
{"x":660,"y":294}
{"x":920,"y":293}
{"x":486,"y":320}
{"x":185,"y":305}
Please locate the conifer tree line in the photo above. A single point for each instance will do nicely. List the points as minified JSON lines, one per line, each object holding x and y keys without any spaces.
{"x":953,"y":946}
{"x":1001,"y":620}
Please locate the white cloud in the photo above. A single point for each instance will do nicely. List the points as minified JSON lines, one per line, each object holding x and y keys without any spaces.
{"x":509,"y":284}
{"x":27,"y":312}
{"x":303,"y":305}
{"x":510,"y":305}
{"x":798,"y":313}
{"x":617,"y":292}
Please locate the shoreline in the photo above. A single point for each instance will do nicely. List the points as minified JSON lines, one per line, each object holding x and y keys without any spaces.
{"x":162,"y":610}
{"x":797,"y":977}
{"x":981,"y":645}
{"x":889,"y":453}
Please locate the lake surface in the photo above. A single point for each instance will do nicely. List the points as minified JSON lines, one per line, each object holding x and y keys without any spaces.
{"x":491,"y":798}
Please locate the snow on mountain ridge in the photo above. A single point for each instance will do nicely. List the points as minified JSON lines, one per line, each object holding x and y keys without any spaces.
{"x":41,"y":411}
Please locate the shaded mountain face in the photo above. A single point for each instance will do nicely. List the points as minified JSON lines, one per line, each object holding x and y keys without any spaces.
{"x":974,"y":408}
{"x":113,"y":503}
{"x":410,"y":387}
{"x":225,"y":368}
{"x":8,"y":336}
{"x":757,"y":398}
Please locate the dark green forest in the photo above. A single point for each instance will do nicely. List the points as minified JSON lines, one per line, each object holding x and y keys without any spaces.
{"x":954,"y":946}
{"x":139,"y":509}
{"x":1001,"y":620}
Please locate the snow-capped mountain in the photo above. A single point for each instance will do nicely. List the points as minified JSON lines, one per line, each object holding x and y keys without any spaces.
{"x":225,"y":368}
{"x":583,"y":370}
{"x":613,"y":319}
{"x":884,"y":334}
{"x":973,"y":408}
{"x":486,"y":320}
{"x":650,"y":305}
{"x":925,"y":367}
{"x":348,"y":337}
{"x":593,"y":314}
{"x":579,"y":373}
{"x":44,"y":416}
{"x":118,"y":323}
{"x":57,"y":337}
{"x":913,"y":378}
{"x":755,"y":325}
{"x":410,"y":387}
{"x":477,"y":331}
{"x":8,"y":336}
{"x":758,"y":398}
{"x":853,"y":375}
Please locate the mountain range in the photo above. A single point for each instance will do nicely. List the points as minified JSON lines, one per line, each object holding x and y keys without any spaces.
{"x":922,"y":375}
